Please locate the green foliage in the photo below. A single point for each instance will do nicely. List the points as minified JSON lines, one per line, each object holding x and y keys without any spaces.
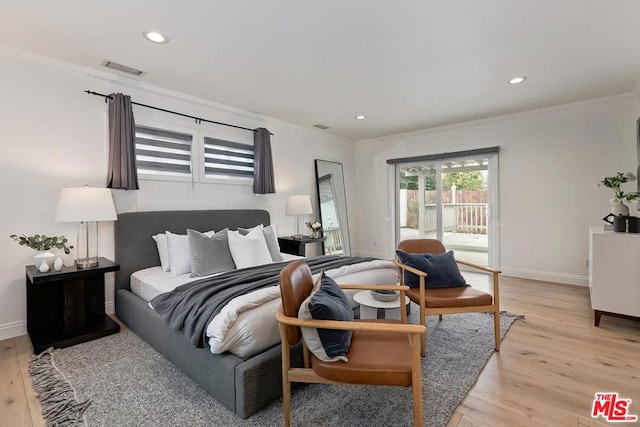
{"x":614,"y":182}
{"x":464,"y":181}
{"x":41,"y":242}
{"x":411,"y":182}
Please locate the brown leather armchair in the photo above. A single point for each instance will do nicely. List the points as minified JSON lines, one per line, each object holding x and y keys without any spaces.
{"x":383,"y":352}
{"x":449,"y":300}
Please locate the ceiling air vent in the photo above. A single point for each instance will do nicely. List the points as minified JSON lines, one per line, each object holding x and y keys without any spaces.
{"x":123,"y":68}
{"x":320,"y":126}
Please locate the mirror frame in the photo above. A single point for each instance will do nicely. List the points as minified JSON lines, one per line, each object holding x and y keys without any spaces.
{"x":343,"y":218}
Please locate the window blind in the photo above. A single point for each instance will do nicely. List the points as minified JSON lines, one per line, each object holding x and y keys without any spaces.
{"x":163,"y":152}
{"x":227,"y":159}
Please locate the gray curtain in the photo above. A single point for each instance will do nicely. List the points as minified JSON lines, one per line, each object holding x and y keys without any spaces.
{"x":122,"y":172}
{"x":263,"y":179}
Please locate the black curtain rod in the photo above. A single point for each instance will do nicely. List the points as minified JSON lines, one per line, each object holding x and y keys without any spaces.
{"x":197,"y":119}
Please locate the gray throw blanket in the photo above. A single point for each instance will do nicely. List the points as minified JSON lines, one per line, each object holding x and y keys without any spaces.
{"x":192,"y":306}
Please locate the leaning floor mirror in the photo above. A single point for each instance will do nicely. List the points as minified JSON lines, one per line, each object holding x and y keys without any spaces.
{"x":332,"y":202}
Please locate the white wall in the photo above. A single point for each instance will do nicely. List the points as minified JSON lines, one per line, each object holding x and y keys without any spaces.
{"x":549,"y":162}
{"x":53,"y":135}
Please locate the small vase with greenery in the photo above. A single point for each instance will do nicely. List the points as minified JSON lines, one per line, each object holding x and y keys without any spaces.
{"x":41,"y":242}
{"x":615,"y":182}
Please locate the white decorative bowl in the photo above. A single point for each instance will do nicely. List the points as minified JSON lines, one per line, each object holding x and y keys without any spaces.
{"x":384,"y":296}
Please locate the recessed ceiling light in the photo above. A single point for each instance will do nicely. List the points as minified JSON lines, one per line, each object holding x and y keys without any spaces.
{"x":516,"y":80}
{"x":156,"y":37}
{"x":360,"y":117}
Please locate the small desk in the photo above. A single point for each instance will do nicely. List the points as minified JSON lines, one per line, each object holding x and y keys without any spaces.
{"x":369,"y":306}
{"x":66,"y":307}
{"x":292,"y":246}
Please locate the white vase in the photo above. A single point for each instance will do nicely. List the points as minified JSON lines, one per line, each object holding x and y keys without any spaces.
{"x":58,"y":263}
{"x":620,"y":209}
{"x":46,"y":257}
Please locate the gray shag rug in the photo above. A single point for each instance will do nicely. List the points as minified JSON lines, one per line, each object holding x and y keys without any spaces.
{"x":122,"y":381}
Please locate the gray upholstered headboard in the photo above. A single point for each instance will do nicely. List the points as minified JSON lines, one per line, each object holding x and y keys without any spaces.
{"x":135,"y":249}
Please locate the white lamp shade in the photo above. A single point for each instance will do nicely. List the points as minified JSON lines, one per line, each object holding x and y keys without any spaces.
{"x":80,"y":204}
{"x":299,"y":205}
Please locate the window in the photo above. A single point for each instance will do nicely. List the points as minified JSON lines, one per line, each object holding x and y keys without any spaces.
{"x":185,"y":155}
{"x":165,"y":153}
{"x":227,"y":159}
{"x":449,"y":197}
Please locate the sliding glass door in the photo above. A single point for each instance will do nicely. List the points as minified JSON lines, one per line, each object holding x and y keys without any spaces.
{"x":452,"y":200}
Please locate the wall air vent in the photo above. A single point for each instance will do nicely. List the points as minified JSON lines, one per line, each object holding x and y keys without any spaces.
{"x":123,"y":68}
{"x":321,"y":126}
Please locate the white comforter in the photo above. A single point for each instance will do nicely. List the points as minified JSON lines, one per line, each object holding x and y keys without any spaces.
{"x":247,"y":325}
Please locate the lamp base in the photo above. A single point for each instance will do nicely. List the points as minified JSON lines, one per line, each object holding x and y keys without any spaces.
{"x":86,"y":263}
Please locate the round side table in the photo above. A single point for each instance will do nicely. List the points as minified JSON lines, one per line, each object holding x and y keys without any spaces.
{"x":369,"y":306}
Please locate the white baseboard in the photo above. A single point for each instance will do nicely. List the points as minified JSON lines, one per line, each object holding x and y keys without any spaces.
{"x":13,"y":329}
{"x":545,"y":276}
{"x":521,"y":273}
{"x":19,"y":328}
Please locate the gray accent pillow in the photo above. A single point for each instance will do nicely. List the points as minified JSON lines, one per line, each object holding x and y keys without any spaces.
{"x":442,"y":270}
{"x":209,"y":255}
{"x":270,"y":236}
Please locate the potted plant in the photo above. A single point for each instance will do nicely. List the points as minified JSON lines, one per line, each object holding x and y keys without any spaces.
{"x":615,"y":182}
{"x":43,"y":244}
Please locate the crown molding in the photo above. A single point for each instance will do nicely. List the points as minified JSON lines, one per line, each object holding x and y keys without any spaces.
{"x":510,"y":116}
{"x":128,"y":83}
{"x":123,"y":81}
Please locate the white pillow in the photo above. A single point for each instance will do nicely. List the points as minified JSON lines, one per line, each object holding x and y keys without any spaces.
{"x":249,"y":250}
{"x":163,"y":252}
{"x":179,"y":253}
{"x":270,"y":236}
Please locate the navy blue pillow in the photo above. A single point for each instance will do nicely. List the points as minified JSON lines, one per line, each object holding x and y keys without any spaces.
{"x":442,"y":270}
{"x":330,"y":303}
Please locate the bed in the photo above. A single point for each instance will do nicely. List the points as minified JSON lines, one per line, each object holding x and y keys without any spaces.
{"x":243,"y":383}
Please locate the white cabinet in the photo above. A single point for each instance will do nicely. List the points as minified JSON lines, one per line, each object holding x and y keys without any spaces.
{"x":614,"y":273}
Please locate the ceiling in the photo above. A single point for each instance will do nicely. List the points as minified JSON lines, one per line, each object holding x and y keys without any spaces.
{"x":405,"y":64}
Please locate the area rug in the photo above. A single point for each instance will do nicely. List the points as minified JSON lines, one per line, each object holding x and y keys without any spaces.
{"x":122,"y":381}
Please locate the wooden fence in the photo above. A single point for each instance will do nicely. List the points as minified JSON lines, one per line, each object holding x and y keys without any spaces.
{"x":467,"y":215}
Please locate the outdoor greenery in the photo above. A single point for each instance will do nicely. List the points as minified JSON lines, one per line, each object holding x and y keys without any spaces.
{"x":41,"y":242}
{"x":614,"y":182}
{"x":463,"y":180}
{"x":411,"y":182}
{"x":470,"y":189}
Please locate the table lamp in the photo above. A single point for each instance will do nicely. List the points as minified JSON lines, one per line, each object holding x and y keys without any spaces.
{"x":299,"y":205}
{"x":86,"y":206}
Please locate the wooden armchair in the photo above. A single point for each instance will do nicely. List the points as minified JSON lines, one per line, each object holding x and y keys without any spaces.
{"x":449,"y":300}
{"x":382,"y":352}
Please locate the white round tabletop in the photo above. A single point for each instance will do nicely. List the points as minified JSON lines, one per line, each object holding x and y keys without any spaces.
{"x":365,"y":298}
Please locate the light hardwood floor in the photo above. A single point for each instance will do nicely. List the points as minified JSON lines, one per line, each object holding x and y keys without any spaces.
{"x":549,"y":367}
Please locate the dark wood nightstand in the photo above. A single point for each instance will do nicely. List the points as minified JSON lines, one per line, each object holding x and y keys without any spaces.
{"x":292,"y":246}
{"x":66,"y":307}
